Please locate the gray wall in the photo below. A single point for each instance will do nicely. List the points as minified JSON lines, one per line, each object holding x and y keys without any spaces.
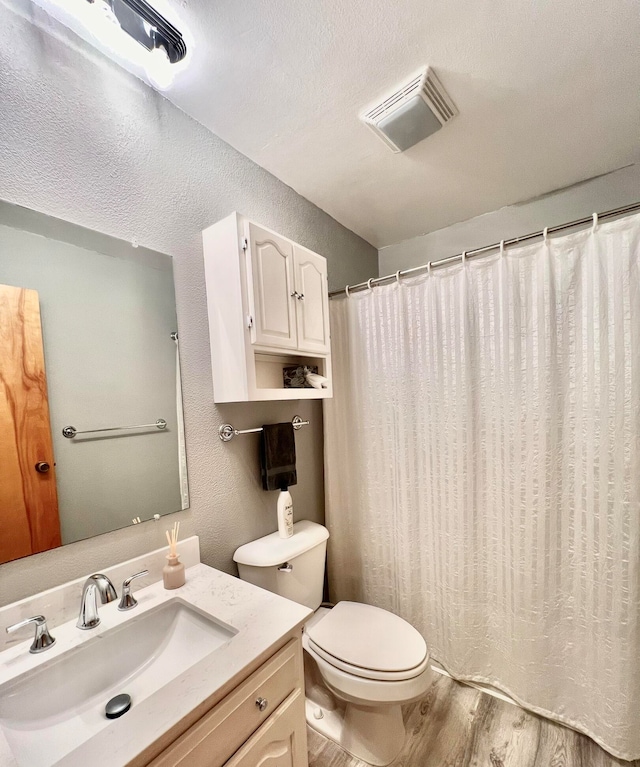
{"x":110,"y":360}
{"x":613,"y":190}
{"x":85,"y":141}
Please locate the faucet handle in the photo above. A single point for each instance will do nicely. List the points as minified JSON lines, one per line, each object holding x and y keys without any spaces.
{"x":127,"y":600}
{"x":42,"y":640}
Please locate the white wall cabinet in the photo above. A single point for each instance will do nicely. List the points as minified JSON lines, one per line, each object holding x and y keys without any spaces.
{"x":268,"y":304}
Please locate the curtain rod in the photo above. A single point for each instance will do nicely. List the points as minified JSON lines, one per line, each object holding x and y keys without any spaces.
{"x":476,"y":251}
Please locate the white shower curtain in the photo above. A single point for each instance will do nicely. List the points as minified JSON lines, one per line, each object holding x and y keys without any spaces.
{"x":483,"y":470}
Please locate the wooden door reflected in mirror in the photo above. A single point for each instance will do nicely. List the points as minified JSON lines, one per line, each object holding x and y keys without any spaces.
{"x":29,"y":522}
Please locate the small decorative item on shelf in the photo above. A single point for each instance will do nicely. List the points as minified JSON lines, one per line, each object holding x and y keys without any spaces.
{"x":295,"y":376}
{"x":314,"y":380}
{"x":173,"y":572}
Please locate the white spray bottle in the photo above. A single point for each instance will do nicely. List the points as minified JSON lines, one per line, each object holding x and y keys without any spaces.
{"x":285,"y":513}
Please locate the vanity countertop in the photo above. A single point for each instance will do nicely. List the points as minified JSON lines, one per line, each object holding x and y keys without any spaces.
{"x":260,"y":618}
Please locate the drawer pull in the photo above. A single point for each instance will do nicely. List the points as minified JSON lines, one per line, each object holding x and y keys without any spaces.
{"x":262,"y":703}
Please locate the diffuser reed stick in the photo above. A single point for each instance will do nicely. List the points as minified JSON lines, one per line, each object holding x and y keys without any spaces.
{"x":173,"y":539}
{"x":173,"y":572}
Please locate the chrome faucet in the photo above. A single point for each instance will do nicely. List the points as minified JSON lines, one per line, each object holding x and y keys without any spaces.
{"x":94,"y":585}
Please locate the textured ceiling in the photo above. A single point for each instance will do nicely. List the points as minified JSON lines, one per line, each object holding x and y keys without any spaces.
{"x":547,"y":91}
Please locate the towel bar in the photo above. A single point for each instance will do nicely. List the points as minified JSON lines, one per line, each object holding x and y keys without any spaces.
{"x":70,"y":431}
{"x":227,"y":432}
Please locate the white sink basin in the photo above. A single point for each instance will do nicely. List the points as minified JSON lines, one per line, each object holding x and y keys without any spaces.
{"x":50,"y":711}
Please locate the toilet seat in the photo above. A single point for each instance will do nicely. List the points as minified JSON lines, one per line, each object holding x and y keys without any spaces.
{"x":368,"y":642}
{"x":365,"y":673}
{"x":363,"y":691}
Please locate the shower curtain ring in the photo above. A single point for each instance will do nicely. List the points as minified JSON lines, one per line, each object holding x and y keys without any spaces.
{"x":346,"y":290}
{"x":595,"y":223}
{"x":545,"y":234}
{"x":429,"y":268}
{"x":464,"y":257}
{"x":501,"y":248}
{"x":398,"y":276}
{"x":369,"y":281}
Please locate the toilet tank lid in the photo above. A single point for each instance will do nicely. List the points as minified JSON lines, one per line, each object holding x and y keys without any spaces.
{"x":273,"y":550}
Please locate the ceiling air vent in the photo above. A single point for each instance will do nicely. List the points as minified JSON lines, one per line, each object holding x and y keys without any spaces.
{"x":414,"y":111}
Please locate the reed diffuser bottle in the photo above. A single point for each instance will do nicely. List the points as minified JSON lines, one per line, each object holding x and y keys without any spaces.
{"x":173,"y":572}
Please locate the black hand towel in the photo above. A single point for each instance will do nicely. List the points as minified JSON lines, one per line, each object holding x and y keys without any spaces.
{"x":278,"y":456}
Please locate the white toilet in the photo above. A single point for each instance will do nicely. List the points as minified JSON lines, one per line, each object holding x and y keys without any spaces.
{"x":361,"y":663}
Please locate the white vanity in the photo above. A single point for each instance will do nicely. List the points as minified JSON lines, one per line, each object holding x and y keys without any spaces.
{"x":214,"y":671}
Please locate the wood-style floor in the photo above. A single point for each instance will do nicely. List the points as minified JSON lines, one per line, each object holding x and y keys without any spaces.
{"x":458,"y":726}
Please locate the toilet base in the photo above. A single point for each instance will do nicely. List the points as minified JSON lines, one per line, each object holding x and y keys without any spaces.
{"x":374,"y":735}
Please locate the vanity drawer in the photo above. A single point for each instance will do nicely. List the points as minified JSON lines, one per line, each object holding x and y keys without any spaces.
{"x":221,"y":732}
{"x":281,"y":741}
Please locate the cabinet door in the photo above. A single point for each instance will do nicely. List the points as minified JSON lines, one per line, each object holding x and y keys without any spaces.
{"x":280,"y":742}
{"x":312,"y":301}
{"x":274,"y":306}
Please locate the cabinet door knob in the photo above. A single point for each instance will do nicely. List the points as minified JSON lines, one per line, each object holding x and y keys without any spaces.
{"x":300,"y":296}
{"x":262,"y":703}
{"x":295,"y":294}
{"x":42,"y":467}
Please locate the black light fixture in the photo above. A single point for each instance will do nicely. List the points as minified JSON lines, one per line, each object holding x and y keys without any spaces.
{"x":142,"y":22}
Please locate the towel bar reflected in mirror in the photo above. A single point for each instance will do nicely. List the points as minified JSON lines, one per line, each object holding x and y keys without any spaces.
{"x":70,"y":431}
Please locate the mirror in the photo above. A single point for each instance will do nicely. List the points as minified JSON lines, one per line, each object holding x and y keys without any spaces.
{"x":91,"y":428}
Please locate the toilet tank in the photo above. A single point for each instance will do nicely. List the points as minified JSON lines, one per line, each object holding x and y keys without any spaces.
{"x":291,"y":567}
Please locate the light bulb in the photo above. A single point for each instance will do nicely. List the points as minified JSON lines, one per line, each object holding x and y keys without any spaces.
{"x":159,"y":69}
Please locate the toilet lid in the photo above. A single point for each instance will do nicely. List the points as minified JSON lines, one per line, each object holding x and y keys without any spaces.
{"x":369,"y":637}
